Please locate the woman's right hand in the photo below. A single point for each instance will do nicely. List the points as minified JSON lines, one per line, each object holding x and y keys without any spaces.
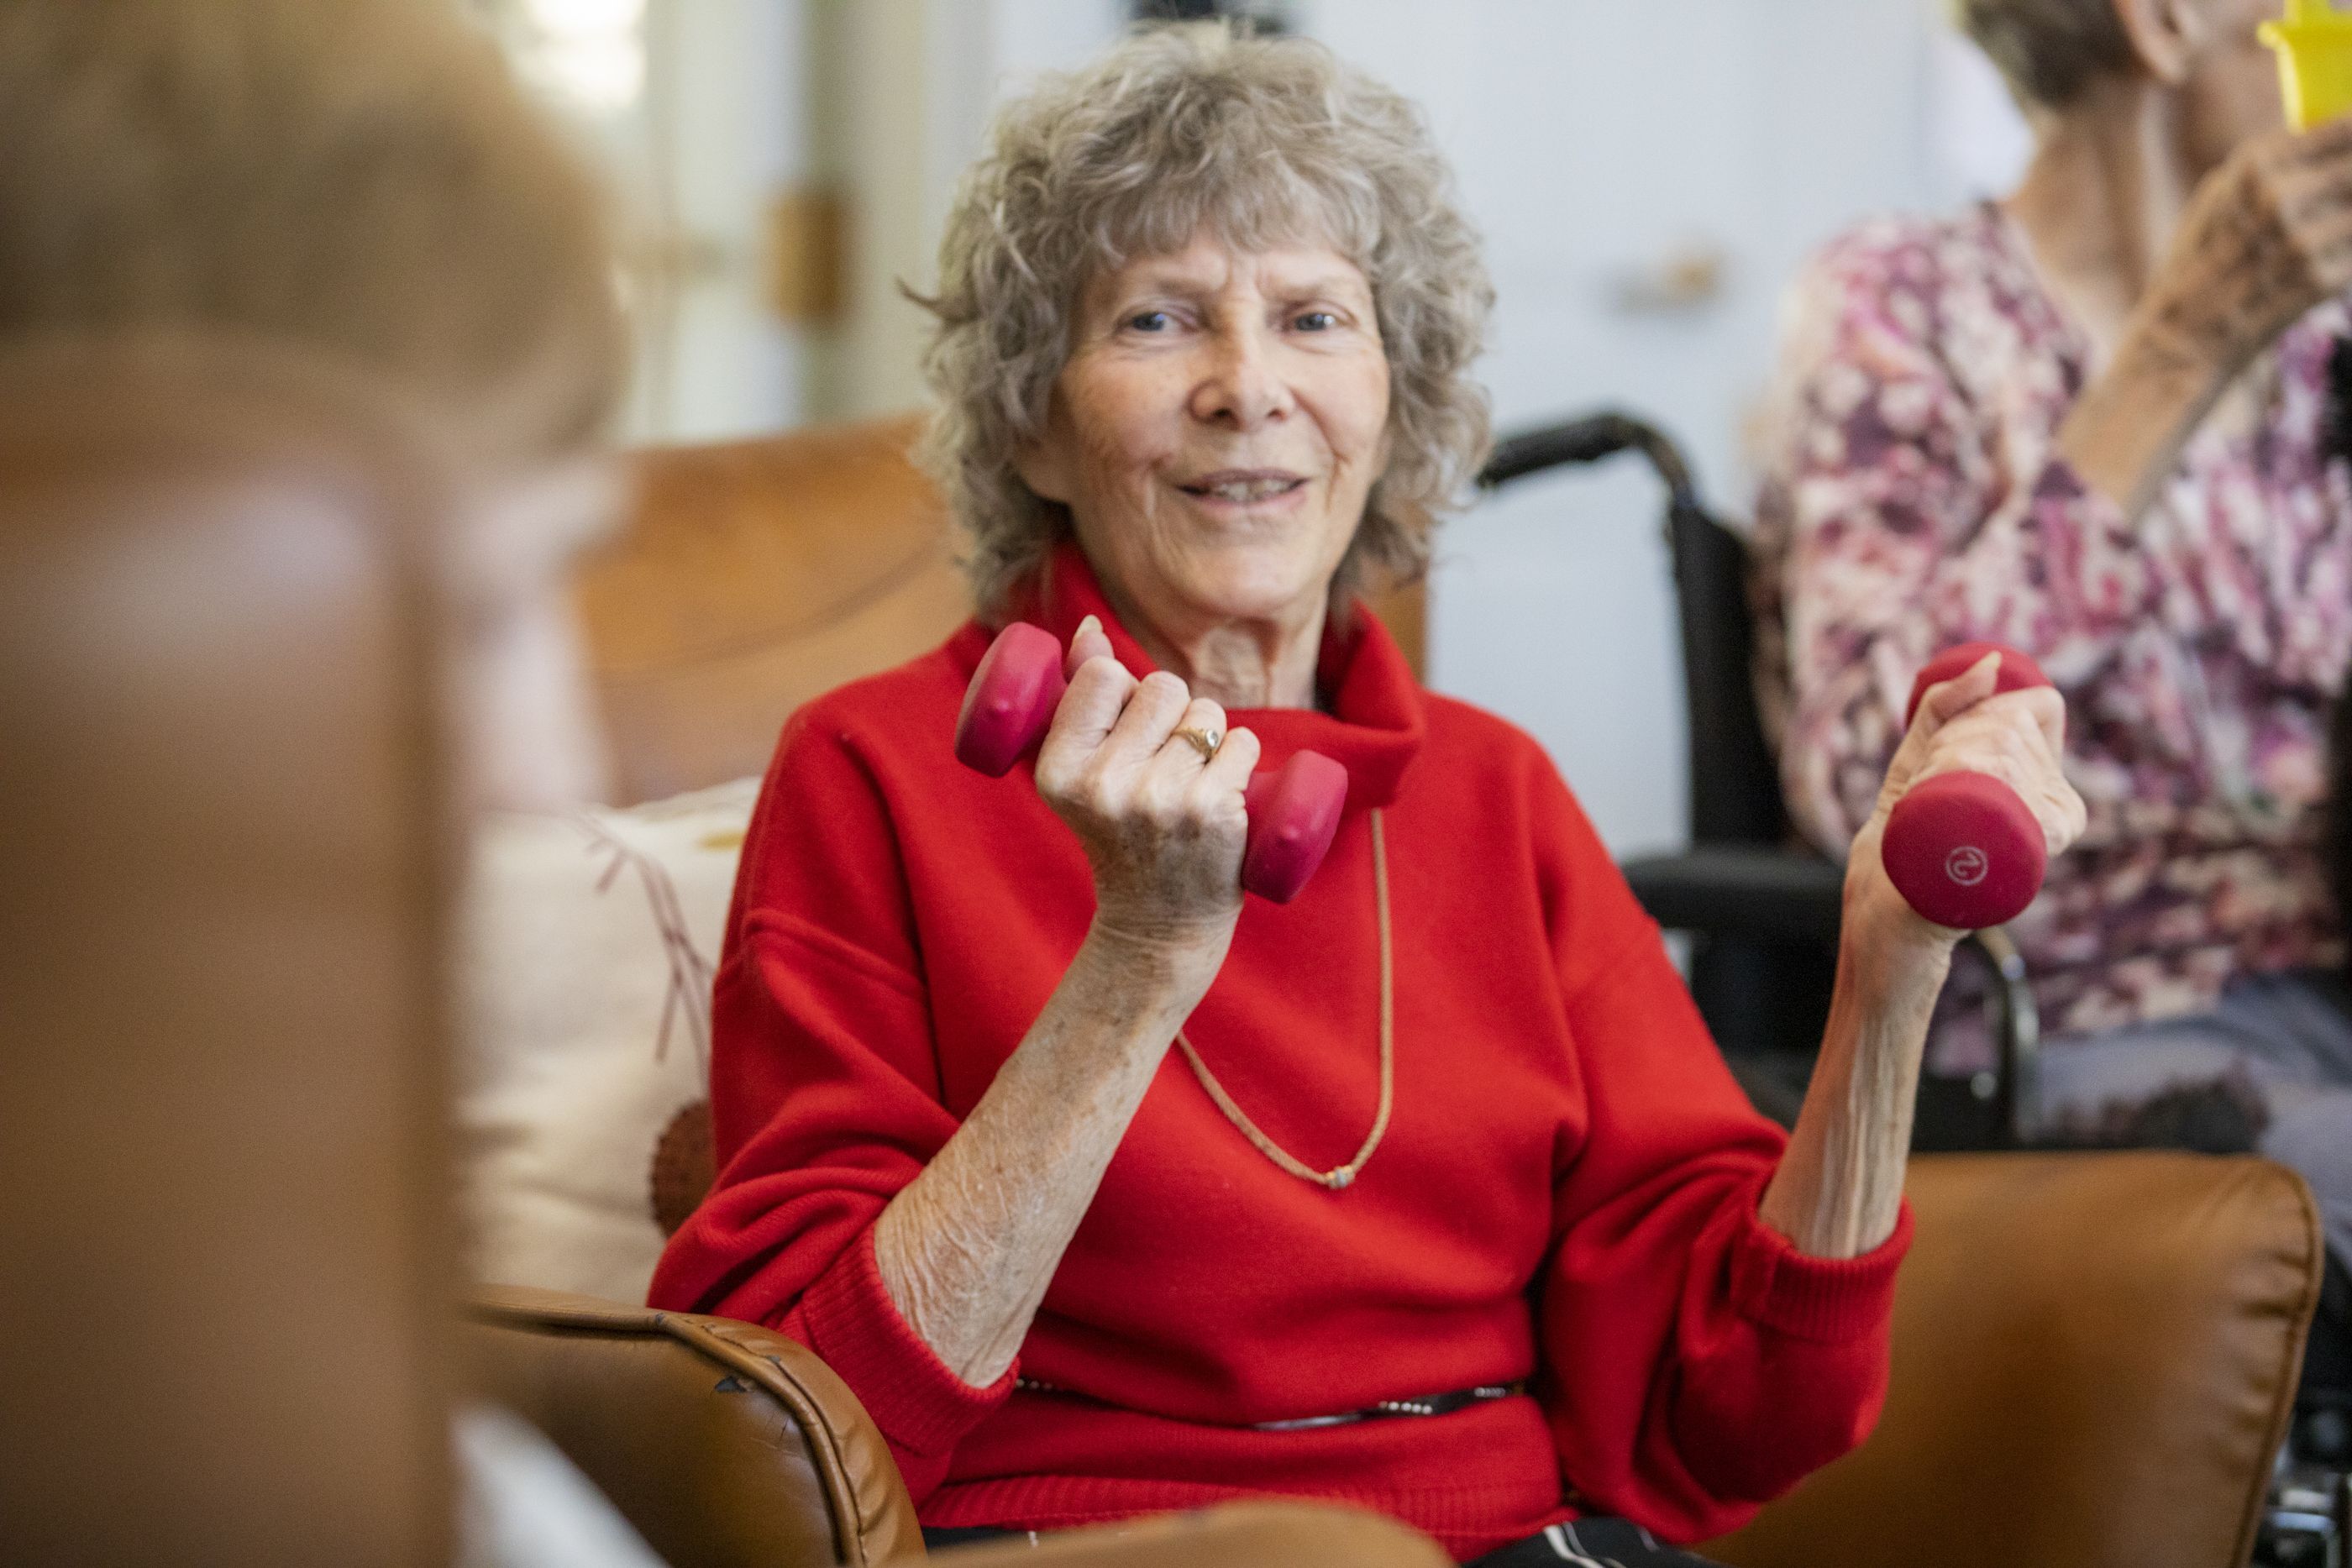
{"x":2266,"y":236}
{"x":1163,"y":827}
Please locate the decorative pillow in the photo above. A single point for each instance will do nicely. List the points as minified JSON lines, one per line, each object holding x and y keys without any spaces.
{"x":586,"y":943}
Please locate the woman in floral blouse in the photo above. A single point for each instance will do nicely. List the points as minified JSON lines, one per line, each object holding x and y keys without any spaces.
{"x":2093,"y":420}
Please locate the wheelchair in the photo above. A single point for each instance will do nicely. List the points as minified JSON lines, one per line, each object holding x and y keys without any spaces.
{"x":1760,"y":907}
{"x":1761,"y":910}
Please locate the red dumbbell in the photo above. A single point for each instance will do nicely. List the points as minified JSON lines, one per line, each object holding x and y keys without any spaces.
{"x":1961,"y":848}
{"x":1294,"y":810}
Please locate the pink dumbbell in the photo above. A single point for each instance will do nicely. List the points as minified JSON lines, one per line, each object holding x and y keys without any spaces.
{"x":1294,"y":810}
{"x":1961,"y":848}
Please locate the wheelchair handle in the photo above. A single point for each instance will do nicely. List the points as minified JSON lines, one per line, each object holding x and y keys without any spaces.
{"x":1590,"y":440}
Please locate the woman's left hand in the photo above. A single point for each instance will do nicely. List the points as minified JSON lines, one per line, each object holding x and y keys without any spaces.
{"x":1839,"y":1188}
{"x":2018,"y":738}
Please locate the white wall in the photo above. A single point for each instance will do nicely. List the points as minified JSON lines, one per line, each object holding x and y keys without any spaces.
{"x":916,"y":82}
{"x":726,"y":130}
{"x":697,"y":113}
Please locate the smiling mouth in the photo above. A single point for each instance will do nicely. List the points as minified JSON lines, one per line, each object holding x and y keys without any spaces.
{"x":1243,"y":488}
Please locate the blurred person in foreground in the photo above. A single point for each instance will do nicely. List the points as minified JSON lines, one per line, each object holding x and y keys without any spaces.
{"x":2100,"y":420}
{"x":360,"y":182}
{"x":1107,"y":1191}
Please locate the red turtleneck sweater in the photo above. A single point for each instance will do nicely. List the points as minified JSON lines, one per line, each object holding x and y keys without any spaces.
{"x":1566,"y":1194}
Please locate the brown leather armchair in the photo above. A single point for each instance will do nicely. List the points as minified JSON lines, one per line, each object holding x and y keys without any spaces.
{"x":2094,"y":1360}
{"x":721,"y":1442}
{"x":728,"y":1445}
{"x":2095,"y":1356}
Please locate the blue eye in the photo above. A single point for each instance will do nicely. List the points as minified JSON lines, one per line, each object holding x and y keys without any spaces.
{"x":1317,"y":321}
{"x":1147,"y":322}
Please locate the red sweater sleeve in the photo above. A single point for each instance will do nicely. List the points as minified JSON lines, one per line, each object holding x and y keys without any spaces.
{"x":819,"y":990}
{"x":1695,"y":1364}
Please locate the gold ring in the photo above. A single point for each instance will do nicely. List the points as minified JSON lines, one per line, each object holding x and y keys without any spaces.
{"x":1204,"y":741}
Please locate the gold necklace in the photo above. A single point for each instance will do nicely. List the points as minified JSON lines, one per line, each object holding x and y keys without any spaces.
{"x":1337,"y":1176}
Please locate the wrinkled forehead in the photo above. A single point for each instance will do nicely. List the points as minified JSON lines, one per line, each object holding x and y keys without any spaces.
{"x":1273,"y":206}
{"x":1208,"y":267}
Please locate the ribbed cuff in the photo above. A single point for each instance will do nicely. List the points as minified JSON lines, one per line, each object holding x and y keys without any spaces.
{"x":918,"y":1401}
{"x":1822,"y":1298}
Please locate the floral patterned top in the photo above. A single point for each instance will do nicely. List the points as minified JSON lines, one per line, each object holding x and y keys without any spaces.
{"x":1913,"y":499}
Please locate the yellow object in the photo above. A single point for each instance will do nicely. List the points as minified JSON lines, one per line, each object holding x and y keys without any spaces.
{"x":2314,"y":41}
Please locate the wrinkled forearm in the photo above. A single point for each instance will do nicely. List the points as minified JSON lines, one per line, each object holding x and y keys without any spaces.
{"x":967,"y":1249}
{"x":1839,"y":1187}
{"x":2125,"y":434}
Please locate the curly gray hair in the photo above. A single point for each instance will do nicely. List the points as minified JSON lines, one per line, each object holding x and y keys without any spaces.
{"x":1258,"y":141}
{"x":2047,"y":50}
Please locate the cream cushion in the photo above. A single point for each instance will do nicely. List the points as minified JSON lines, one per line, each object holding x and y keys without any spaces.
{"x":585,"y":944}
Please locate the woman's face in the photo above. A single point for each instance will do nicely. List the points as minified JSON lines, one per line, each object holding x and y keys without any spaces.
{"x":1216,"y":430}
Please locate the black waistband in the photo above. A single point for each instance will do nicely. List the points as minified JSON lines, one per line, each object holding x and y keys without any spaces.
{"x":1386,"y":1409}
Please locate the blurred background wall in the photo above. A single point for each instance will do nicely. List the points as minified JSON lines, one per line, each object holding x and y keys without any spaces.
{"x":1647,"y":175}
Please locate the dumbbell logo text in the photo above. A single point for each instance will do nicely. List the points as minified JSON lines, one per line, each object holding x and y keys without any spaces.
{"x":1966,"y":865}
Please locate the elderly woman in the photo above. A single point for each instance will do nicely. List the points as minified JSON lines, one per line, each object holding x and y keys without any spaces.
{"x":1444,"y":1203}
{"x":2098,"y":421}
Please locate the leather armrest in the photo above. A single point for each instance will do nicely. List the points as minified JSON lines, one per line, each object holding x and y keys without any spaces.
{"x":1748,"y":890}
{"x":2094,"y":1357}
{"x":725,"y":1445}
{"x":2094,"y":1360}
{"x":1236,"y":1535}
